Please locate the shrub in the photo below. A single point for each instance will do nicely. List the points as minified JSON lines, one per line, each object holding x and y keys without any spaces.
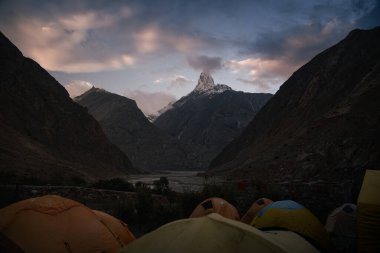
{"x":117,"y":184}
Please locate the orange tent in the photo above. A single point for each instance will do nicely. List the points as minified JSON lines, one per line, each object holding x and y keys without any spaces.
{"x":215,"y":205}
{"x":254,"y":209}
{"x":118,"y":228}
{"x":55,"y":224}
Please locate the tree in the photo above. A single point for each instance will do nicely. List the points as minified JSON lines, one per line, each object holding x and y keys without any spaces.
{"x":161,"y":186}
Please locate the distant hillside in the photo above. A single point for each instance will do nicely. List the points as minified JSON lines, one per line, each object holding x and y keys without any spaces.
{"x":211,"y":115}
{"x":323,"y":125}
{"x":148,"y":147}
{"x":43,"y":133}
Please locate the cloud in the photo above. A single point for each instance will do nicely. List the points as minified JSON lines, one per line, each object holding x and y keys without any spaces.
{"x":173,"y":82}
{"x":153,"y":39}
{"x":147,"y":40}
{"x":77,"y":87}
{"x":274,"y":56}
{"x":84,"y":36}
{"x":205,"y":63}
{"x":179,"y":81}
{"x":149,"y":103}
{"x":264,"y":74}
{"x":98,"y":35}
{"x":69,"y":44}
{"x":297,"y":44}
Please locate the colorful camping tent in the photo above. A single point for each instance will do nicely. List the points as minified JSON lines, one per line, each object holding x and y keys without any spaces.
{"x":214,"y":233}
{"x":369,"y":213}
{"x":118,"y":228}
{"x":292,"y":216}
{"x":55,"y":224}
{"x":254,"y":209}
{"x":215,"y":205}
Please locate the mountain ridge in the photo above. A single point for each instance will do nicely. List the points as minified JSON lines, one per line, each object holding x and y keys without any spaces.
{"x":148,"y":147}
{"x":320,"y":131}
{"x":211,"y":115}
{"x":44,"y":132}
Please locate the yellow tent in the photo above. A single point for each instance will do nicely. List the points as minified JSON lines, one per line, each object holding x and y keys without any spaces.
{"x":215,"y":205}
{"x":254,"y":209}
{"x":294,"y":217}
{"x":369,"y":213}
{"x":55,"y":224}
{"x":214,"y":233}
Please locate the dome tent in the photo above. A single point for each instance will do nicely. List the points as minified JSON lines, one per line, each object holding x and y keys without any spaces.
{"x":215,"y":233}
{"x":342,"y":221}
{"x":118,"y":228}
{"x":55,"y":224}
{"x":215,"y":205}
{"x":292,"y":216}
{"x":254,"y":209}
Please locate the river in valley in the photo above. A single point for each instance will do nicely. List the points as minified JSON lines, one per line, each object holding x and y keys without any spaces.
{"x":179,"y":181}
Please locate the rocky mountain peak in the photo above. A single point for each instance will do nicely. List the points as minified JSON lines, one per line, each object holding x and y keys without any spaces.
{"x":206,"y":85}
{"x":205,"y":82}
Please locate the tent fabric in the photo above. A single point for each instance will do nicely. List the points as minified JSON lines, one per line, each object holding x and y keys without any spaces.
{"x":55,"y":224}
{"x":368,"y":224}
{"x":7,"y":245}
{"x":215,"y":233}
{"x":215,"y":205}
{"x":290,"y":215}
{"x":254,"y":209}
{"x":342,"y":221}
{"x":118,"y":228}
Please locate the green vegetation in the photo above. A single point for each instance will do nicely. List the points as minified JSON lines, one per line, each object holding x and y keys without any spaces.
{"x":117,"y":184}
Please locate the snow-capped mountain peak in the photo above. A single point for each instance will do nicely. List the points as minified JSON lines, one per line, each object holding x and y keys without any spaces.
{"x":205,"y":82}
{"x":206,"y":85}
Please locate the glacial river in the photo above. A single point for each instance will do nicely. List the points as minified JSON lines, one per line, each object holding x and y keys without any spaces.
{"x":179,"y":181}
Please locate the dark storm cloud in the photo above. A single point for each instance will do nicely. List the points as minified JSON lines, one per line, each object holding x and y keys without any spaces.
{"x":205,"y":63}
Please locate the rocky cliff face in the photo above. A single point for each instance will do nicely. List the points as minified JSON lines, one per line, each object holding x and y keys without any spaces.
{"x":211,"y":115}
{"x":323,"y":125}
{"x":147,"y":146}
{"x":44,"y":133}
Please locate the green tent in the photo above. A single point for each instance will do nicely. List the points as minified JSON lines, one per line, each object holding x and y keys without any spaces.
{"x":214,"y":233}
{"x":369,"y":213}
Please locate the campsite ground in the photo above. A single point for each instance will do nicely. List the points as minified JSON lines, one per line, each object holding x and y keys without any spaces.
{"x":141,"y":207}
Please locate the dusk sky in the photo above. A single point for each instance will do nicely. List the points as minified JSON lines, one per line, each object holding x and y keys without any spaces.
{"x":154,"y":51}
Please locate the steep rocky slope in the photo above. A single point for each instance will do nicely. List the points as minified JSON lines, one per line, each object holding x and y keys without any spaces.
{"x":44,"y":134}
{"x":148,"y":147}
{"x":322,"y":126}
{"x":211,"y":115}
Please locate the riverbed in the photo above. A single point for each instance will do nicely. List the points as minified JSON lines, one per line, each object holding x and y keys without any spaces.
{"x":179,"y":181}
